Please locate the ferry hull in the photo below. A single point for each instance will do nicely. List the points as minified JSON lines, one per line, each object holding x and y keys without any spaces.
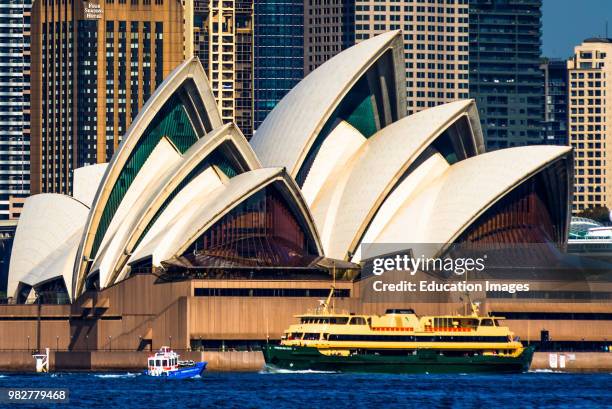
{"x":425,"y":361}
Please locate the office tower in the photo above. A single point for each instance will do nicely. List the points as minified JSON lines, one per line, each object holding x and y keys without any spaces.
{"x":505,"y":75}
{"x":435,"y":45}
{"x":555,"y":102}
{"x":590,"y":122}
{"x":278,"y":52}
{"x":329,"y":27}
{"x":223,"y":40}
{"x":14,"y":106}
{"x":93,"y":67}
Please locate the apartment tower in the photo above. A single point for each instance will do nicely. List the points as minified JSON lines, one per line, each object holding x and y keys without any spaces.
{"x":435,"y":45}
{"x":223,"y":40}
{"x":14,"y":106}
{"x":329,"y":27}
{"x":505,"y":76}
{"x":590,"y":122}
{"x":94,"y":65}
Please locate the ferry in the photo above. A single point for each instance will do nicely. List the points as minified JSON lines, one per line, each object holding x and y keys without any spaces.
{"x":399,"y":342}
{"x":166,"y":363}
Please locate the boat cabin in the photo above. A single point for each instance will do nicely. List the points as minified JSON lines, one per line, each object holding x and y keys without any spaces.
{"x":165,"y":360}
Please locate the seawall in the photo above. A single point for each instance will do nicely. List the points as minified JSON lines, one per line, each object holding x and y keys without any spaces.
{"x":234,"y":361}
{"x":252,"y":361}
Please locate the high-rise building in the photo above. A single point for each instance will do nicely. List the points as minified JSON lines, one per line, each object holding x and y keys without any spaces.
{"x":255,"y":52}
{"x":329,"y":27}
{"x":435,"y":45}
{"x":505,"y":75}
{"x":223,"y":40}
{"x":590,"y":122}
{"x":94,"y":65}
{"x":278,"y":52}
{"x":14,"y":106}
{"x":555,"y":102}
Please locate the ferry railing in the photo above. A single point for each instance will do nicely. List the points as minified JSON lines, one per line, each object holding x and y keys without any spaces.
{"x":322,"y":311}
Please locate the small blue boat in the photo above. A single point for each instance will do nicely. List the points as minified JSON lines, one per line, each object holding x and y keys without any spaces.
{"x":166,"y":363}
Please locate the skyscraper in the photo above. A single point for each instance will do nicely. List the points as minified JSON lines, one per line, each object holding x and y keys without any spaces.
{"x":329,"y":27}
{"x":435,"y":45}
{"x":14,"y":106}
{"x":93,"y":67}
{"x":505,"y":78}
{"x":255,"y":52}
{"x":590,"y":122}
{"x":555,"y":102}
{"x":278,"y":52}
{"x":223,"y":40}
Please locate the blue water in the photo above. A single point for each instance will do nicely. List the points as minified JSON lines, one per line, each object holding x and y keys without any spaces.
{"x":324,"y":390}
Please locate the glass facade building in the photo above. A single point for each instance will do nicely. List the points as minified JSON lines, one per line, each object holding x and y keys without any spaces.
{"x":278,"y":53}
{"x":555,"y":105}
{"x":14,"y":105}
{"x":505,"y":77}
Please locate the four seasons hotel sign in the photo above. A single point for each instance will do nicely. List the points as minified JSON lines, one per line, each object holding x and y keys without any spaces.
{"x":92,"y":10}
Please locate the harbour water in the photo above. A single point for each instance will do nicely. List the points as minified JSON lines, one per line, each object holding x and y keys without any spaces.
{"x":318,"y":390}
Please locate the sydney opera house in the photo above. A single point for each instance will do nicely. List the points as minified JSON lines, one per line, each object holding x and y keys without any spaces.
{"x":194,"y":235}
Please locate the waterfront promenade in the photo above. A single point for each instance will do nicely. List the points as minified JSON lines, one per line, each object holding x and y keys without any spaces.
{"x":243,"y":361}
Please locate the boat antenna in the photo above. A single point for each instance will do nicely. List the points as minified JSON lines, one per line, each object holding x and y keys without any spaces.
{"x":473,"y":306}
{"x":333,"y":286}
{"x":327,"y":302}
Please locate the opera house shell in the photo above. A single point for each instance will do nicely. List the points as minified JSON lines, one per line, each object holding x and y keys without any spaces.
{"x":336,"y":165}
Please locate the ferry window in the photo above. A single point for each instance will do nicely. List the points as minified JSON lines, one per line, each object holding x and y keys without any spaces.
{"x":487,"y":322}
{"x":496,"y":322}
{"x":157,"y":362}
{"x":339,"y":320}
{"x":357,"y":321}
{"x":311,"y":336}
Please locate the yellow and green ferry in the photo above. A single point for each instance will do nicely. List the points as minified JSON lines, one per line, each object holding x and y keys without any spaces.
{"x":399,"y":342}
